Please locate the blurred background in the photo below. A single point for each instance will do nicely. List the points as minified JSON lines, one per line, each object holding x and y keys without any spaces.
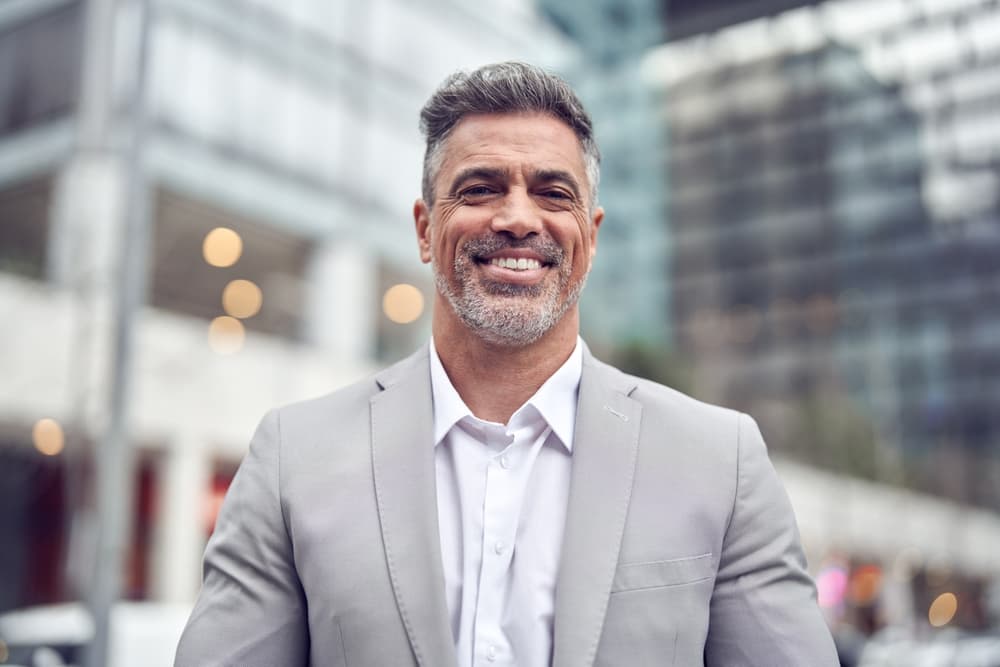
{"x":205,"y":212}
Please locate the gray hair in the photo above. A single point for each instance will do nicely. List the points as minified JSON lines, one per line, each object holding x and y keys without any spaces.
{"x":508,"y":87}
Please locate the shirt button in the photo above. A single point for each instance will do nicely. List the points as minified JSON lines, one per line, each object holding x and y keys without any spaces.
{"x":504,"y":461}
{"x":491,"y":653}
{"x":498,"y":548}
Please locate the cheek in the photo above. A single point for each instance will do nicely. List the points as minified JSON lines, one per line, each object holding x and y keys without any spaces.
{"x":439,"y":234}
{"x":447,"y":246}
{"x":584,"y":249}
{"x":453,"y":229}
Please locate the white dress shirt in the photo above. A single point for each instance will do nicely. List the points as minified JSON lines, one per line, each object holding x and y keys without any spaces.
{"x":502,"y":491}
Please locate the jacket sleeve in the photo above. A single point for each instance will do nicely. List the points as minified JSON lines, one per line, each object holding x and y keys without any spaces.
{"x":251,"y":609}
{"x":763,"y":609}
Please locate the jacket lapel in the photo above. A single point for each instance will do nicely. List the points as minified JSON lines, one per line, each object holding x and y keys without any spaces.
{"x":604,"y":452}
{"x":405,"y":489}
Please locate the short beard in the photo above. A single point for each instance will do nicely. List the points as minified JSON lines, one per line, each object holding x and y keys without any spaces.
{"x":504,"y":313}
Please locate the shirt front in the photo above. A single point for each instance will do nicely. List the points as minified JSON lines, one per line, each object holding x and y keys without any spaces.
{"x":502,"y":491}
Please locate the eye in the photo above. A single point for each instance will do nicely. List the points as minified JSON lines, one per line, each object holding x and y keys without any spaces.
{"x":557,"y":194}
{"x":477,"y":191}
{"x":557,"y":197}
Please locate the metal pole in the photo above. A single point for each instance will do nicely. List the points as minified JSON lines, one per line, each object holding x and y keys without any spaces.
{"x":94,"y":104}
{"x":114,"y":464}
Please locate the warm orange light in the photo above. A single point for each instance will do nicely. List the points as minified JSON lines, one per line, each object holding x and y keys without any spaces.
{"x":865,"y":584}
{"x":222,"y":247}
{"x":48,"y":437}
{"x":211,"y":507}
{"x":942,"y":609}
{"x":403,"y":303}
{"x":242,"y":299}
{"x":226,"y":335}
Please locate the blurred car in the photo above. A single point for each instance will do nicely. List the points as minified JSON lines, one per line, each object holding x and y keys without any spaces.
{"x":945,"y":648}
{"x":142,"y":633}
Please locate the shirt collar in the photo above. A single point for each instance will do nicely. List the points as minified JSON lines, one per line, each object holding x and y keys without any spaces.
{"x":555,"y":400}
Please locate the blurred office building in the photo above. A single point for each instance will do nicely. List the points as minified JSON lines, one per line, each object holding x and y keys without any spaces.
{"x":628,"y":290}
{"x":247,"y":168}
{"x":834,"y":216}
{"x":835,"y":234}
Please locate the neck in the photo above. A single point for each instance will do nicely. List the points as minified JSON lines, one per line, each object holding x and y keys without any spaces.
{"x":493,"y":379}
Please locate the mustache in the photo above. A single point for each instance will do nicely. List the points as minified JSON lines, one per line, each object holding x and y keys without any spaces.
{"x":479,"y":247}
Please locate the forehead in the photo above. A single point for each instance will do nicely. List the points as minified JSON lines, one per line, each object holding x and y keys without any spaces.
{"x":529,"y":141}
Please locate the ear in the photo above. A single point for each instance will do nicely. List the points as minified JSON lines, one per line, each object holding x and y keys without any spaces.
{"x":422,"y":219}
{"x":595,"y":222}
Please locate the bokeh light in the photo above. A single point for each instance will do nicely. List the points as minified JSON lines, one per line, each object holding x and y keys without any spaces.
{"x":403,"y":303}
{"x":211,"y":506}
{"x":942,"y":609}
{"x":242,"y":299}
{"x":865,"y":584}
{"x":226,"y":335}
{"x":831,"y":586}
{"x":47,"y":436}
{"x":222,"y":247}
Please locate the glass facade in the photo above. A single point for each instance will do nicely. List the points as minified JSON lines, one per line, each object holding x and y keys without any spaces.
{"x":39,"y":67}
{"x":627,"y":287}
{"x":834,"y":268}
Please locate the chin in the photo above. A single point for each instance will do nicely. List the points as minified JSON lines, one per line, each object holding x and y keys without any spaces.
{"x":508,"y":314}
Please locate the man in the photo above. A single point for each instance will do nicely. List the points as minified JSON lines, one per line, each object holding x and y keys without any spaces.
{"x":501,"y":497}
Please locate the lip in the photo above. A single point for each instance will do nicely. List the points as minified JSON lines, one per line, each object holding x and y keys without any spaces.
{"x":522,"y":277}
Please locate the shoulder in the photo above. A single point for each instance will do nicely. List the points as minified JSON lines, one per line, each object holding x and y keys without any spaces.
{"x":665,"y":406}
{"x":679,"y":432}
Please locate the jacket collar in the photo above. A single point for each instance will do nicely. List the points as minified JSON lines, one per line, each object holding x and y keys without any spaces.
{"x":604,"y":453}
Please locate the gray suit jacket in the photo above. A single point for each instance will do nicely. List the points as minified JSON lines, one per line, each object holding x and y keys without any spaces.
{"x":680,"y":547}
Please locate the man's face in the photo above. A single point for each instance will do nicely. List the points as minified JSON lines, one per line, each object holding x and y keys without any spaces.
{"x":510,"y":235}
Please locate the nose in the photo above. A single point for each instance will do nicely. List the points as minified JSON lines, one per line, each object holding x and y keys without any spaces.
{"x":519,"y":216}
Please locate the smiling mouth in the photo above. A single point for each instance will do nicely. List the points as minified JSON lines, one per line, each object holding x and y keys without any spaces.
{"x":516,"y":263}
{"x":513,"y":259}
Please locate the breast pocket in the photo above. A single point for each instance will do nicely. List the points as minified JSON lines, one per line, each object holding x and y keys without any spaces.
{"x":658,"y":613}
{"x":659,"y":573}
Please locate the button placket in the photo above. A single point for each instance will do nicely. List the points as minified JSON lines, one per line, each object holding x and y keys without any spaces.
{"x":508,"y":463}
{"x":501,"y":503}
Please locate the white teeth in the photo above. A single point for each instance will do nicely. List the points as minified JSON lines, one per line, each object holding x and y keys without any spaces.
{"x":518,"y":264}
